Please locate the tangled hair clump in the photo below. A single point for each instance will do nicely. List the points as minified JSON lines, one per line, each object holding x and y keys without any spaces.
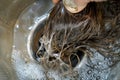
{"x":98,"y":25}
{"x":67,"y":37}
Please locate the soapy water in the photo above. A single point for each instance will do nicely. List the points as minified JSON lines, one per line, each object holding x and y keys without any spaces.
{"x":97,"y":67}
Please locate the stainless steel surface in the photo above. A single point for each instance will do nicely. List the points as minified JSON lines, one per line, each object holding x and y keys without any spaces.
{"x":18,"y":23}
{"x":25,"y":66}
{"x":10,"y":11}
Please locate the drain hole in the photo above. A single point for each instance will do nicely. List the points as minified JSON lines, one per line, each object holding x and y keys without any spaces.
{"x":41,"y":51}
{"x":38,"y":49}
{"x":52,"y":58}
{"x":80,"y":54}
{"x":76,"y":58}
{"x":39,"y":43}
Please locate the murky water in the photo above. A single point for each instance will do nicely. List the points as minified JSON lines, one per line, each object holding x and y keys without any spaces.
{"x":96,"y":67}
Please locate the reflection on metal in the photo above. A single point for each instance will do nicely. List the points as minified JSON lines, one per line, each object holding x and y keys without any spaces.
{"x":34,"y":36}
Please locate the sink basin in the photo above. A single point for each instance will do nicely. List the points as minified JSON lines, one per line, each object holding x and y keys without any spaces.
{"x":20,"y":23}
{"x":10,"y":18}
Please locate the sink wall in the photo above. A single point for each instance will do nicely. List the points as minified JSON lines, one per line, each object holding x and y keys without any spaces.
{"x":9,"y":12}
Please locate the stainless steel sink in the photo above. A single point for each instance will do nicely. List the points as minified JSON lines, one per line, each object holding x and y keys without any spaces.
{"x":19,"y":23}
{"x":10,"y":13}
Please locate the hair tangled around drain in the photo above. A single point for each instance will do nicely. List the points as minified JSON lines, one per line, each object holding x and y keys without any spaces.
{"x":67,"y":37}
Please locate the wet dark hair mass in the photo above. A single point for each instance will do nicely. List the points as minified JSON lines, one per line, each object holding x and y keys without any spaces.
{"x":97,"y":26}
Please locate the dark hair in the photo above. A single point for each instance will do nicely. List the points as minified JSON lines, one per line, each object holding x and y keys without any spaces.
{"x":97,"y":26}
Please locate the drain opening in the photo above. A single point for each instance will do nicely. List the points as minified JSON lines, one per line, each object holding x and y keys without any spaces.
{"x":73,"y":60}
{"x":76,"y":58}
{"x":39,"y":50}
